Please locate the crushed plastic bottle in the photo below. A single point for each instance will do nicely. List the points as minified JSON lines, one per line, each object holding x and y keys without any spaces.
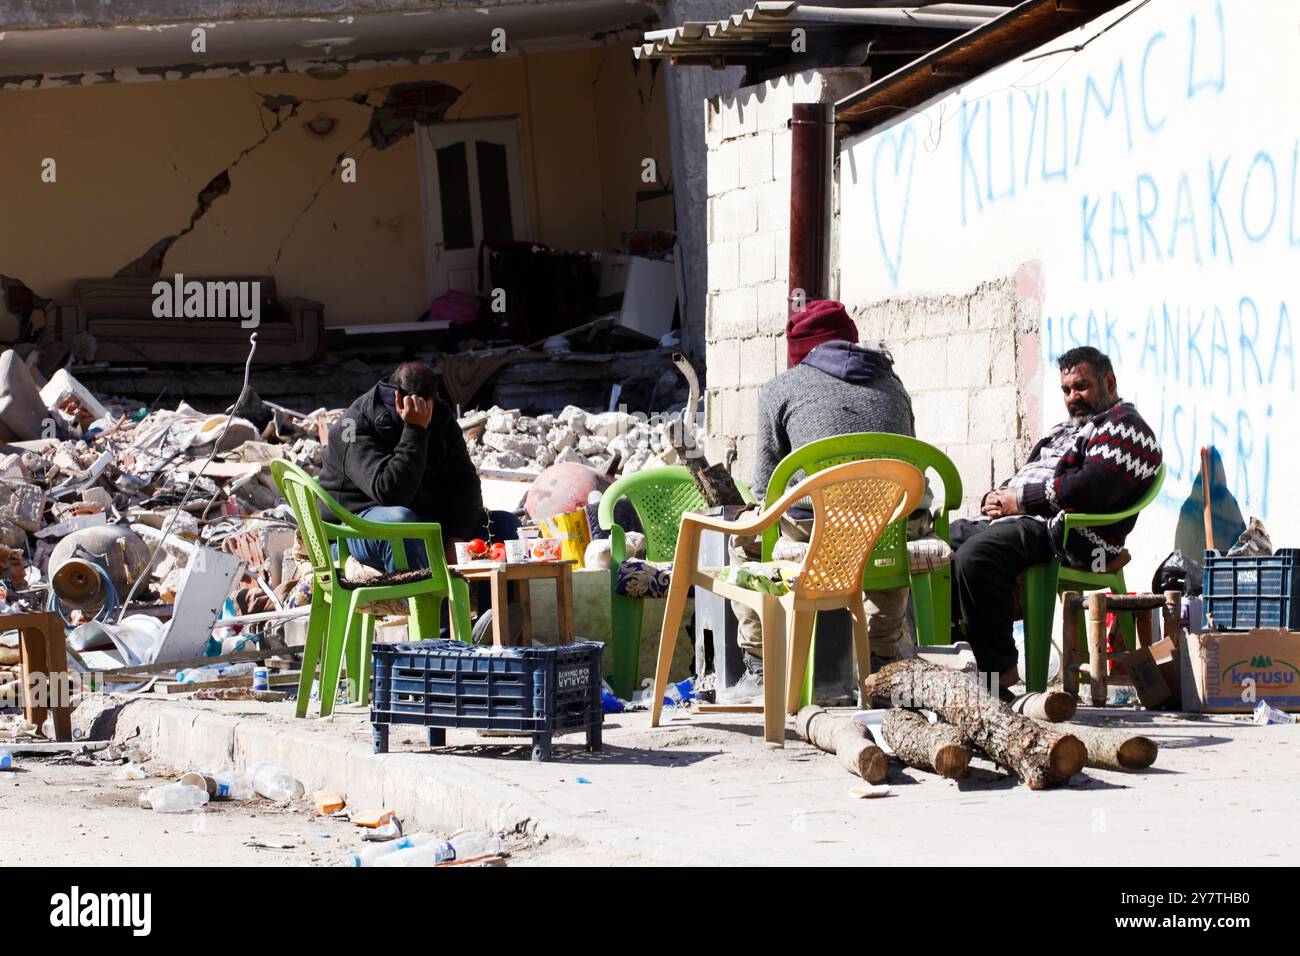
{"x":275,"y":783}
{"x":130,"y":771}
{"x":176,"y":798}
{"x":1265,"y":714}
{"x":391,"y":830}
{"x":675,"y":695}
{"x":233,"y":786}
{"x":429,"y":854}
{"x":370,"y":854}
{"x":470,"y":844}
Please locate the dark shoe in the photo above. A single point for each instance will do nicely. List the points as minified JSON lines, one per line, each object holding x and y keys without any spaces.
{"x":483,"y":626}
{"x":1007,"y":695}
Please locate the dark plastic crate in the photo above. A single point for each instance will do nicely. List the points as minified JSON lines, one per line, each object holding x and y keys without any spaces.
{"x":1248,"y":591}
{"x":534,"y":691}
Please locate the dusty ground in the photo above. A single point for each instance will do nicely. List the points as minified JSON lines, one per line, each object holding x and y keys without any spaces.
{"x":703,"y":789}
{"x":56,"y":814}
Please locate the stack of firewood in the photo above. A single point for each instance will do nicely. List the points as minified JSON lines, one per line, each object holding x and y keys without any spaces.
{"x":970,"y":720}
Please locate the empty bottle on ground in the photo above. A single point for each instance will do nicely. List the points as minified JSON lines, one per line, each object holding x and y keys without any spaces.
{"x":275,"y":783}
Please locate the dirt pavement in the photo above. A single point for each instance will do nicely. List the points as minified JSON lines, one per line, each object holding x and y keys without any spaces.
{"x":56,"y":814}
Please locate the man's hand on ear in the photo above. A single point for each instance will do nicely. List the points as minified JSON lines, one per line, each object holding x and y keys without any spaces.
{"x":414,"y":410}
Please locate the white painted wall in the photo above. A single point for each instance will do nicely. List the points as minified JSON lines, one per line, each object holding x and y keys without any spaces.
{"x":1154,"y":178}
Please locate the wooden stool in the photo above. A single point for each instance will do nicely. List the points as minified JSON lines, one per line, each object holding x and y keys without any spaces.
{"x":42,"y":650}
{"x":499,"y":574}
{"x":1097,"y":604}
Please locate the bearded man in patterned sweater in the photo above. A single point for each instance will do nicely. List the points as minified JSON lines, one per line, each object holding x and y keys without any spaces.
{"x":1102,"y":459}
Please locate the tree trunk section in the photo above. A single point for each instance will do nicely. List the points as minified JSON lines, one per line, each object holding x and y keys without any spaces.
{"x":1053,"y":706}
{"x":849,"y":740}
{"x":1115,"y":749}
{"x":1038,"y":756}
{"x":939,"y":748}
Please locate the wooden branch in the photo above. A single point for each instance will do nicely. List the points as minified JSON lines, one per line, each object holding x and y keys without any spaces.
{"x":715,"y":483}
{"x":939,"y":748}
{"x":1115,"y":749}
{"x":1036,"y":755}
{"x":1053,"y":706}
{"x":849,"y":740}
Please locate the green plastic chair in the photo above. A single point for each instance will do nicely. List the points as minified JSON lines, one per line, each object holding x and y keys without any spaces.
{"x":888,"y":567}
{"x":1043,"y":582}
{"x":334,"y":636}
{"x":660,"y":496}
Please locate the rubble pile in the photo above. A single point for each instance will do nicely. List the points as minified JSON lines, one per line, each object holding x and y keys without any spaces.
{"x":82,"y":477}
{"x":613,"y":443}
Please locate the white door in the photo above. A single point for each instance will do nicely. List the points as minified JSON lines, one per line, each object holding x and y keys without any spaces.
{"x":473,"y":187}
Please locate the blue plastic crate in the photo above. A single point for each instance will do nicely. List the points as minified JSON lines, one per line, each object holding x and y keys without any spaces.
{"x":1249,"y":591}
{"x":536,"y":691}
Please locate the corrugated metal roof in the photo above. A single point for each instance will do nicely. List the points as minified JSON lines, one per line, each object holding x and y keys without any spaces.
{"x":1017,"y":32}
{"x":767,"y":28}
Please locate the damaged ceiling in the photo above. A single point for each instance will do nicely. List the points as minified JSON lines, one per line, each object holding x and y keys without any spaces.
{"x":49,"y":48}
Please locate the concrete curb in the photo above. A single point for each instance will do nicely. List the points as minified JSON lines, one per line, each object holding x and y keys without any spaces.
{"x":425,"y":794}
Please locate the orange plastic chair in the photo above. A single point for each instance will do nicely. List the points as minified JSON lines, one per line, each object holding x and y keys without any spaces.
{"x":852,"y":505}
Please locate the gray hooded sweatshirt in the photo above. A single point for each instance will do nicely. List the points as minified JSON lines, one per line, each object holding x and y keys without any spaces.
{"x":838,"y":389}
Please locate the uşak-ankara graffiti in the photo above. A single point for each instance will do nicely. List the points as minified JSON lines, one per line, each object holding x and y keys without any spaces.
{"x":1154,"y":181}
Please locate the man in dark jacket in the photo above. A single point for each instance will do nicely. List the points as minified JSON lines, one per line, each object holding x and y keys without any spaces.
{"x":1101,"y":459}
{"x":833,"y":386}
{"x":398,"y":454}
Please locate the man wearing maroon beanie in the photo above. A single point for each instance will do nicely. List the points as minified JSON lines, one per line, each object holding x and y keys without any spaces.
{"x":832,"y":387}
{"x":823,"y":321}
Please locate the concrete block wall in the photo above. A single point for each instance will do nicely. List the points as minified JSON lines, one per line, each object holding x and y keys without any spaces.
{"x":747,"y":135}
{"x":962,"y":360}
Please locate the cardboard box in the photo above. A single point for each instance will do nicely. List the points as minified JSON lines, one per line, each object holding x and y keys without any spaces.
{"x":1229,"y":672}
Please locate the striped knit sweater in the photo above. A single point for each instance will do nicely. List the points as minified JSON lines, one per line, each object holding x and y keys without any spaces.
{"x":1108,"y":467}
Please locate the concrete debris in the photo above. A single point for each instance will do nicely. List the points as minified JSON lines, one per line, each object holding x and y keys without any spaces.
{"x":614,"y":443}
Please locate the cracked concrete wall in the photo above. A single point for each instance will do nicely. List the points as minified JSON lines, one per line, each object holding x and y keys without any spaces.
{"x":131,"y":160}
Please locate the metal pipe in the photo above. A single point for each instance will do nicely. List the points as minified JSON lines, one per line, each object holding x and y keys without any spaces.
{"x":810,"y":199}
{"x":872,"y":17}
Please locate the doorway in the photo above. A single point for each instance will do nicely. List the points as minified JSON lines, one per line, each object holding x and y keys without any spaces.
{"x":471,"y":179}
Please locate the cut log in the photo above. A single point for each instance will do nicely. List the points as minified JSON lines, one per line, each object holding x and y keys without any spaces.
{"x":849,"y":740}
{"x":1038,"y":756}
{"x":1053,"y":705}
{"x":1115,"y":749}
{"x":939,"y":747}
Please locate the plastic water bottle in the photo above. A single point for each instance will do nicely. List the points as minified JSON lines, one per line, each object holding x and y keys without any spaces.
{"x":177,"y":798}
{"x":6,"y":760}
{"x":275,"y":783}
{"x":389,"y":831}
{"x":233,"y":786}
{"x":429,"y":854}
{"x":475,"y":843}
{"x":370,"y":854}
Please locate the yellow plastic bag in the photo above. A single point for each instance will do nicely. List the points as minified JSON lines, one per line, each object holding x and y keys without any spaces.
{"x":573,"y":532}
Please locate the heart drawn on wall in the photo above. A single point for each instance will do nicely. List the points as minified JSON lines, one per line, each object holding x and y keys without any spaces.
{"x":891,"y":196}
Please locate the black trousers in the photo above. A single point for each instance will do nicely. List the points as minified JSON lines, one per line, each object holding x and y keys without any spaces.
{"x":988,"y":557}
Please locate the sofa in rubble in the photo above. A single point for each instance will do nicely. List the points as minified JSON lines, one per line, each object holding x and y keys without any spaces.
{"x":118,"y":315}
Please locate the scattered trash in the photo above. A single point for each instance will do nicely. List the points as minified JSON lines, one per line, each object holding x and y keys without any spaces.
{"x":470,"y":844}
{"x":1265,"y":714}
{"x":128,"y":771}
{"x":581,"y":780}
{"x":371,"y":818}
{"x":6,"y":760}
{"x":387,"y":831}
{"x":274,"y":783}
{"x":870,"y":791}
{"x":327,"y":802}
{"x":266,"y":843}
{"x":1253,"y":542}
{"x":370,"y":854}
{"x":174,"y":798}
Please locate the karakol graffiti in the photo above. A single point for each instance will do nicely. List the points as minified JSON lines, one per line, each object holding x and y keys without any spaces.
{"x":1154,"y":178}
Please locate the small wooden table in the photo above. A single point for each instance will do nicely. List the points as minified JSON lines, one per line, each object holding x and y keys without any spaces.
{"x":499,"y":573}
{"x":44,"y":658}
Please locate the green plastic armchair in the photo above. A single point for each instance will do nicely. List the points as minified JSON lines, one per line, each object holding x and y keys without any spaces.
{"x":888,"y":567}
{"x":340,"y":629}
{"x":660,"y":496}
{"x":1043,"y":582}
